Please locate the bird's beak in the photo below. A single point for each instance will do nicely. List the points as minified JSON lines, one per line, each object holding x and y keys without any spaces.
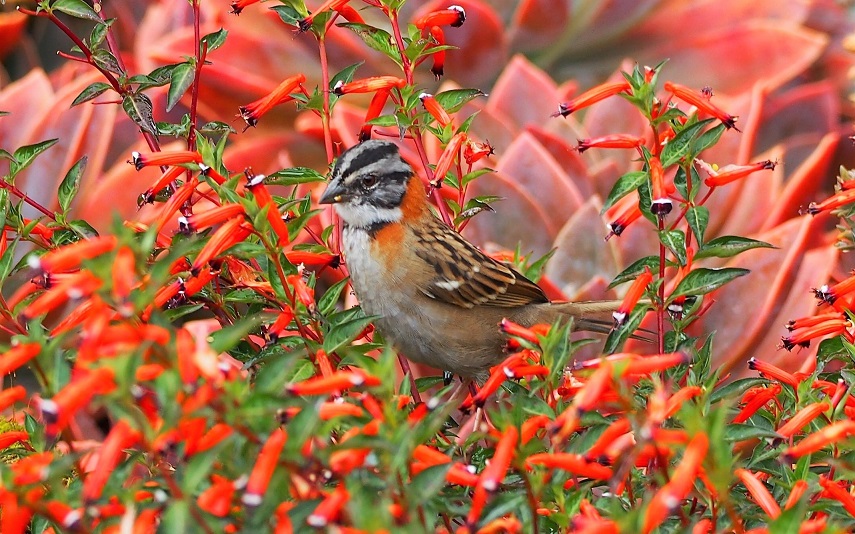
{"x":334,"y":193}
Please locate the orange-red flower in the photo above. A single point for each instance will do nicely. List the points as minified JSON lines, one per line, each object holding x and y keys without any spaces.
{"x":701,"y":101}
{"x":759,"y":492}
{"x":10,"y":396}
{"x":121,"y":437}
{"x":610,"y":141}
{"x":69,"y":257}
{"x":253,"y":111}
{"x":338,"y":381}
{"x":176,"y":157}
{"x":671,"y":495}
{"x":592,"y":96}
{"x":828,"y":435}
{"x":209,"y":218}
{"x":732,"y":173}
{"x":264,"y":467}
{"x":369,"y":85}
{"x":225,"y":237}
{"x":572,"y":463}
{"x":14,"y":358}
{"x":375,"y":108}
{"x":633,"y":295}
{"x":772,"y":372}
{"x":330,"y":508}
{"x":453,"y":16}
{"x":833,"y":202}
{"x":435,"y":109}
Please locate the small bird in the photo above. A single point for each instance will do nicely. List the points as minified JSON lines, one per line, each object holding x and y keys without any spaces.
{"x":438,"y":298}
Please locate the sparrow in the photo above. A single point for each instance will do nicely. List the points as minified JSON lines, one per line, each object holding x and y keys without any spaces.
{"x":437,"y":298}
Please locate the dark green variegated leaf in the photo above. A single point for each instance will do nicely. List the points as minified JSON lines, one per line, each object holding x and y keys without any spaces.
{"x":294,"y":176}
{"x":455,"y":99}
{"x":675,"y":240}
{"x":741,"y":432}
{"x":24,"y":156}
{"x":289,"y":15}
{"x":618,"y":336}
{"x":729,"y":245}
{"x":698,"y":217}
{"x":215,"y":39}
{"x":71,"y":184}
{"x":637,"y":267}
{"x":99,"y":33}
{"x":107,"y":61}
{"x":625,"y":185}
{"x":679,"y":147}
{"x":375,"y":38}
{"x":92,"y":91}
{"x":139,"y":109}
{"x":77,"y":9}
{"x":182,"y":79}
{"x":702,"y":281}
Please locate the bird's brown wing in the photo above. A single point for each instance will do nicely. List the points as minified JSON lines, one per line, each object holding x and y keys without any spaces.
{"x":467,"y":277}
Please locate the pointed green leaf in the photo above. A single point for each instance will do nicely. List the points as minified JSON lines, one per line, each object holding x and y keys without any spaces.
{"x":139,"y":108}
{"x":107,"y":61}
{"x":455,"y":99}
{"x":215,"y":39}
{"x":7,"y":260}
{"x":92,"y":91}
{"x":625,"y":185}
{"x":24,"y":156}
{"x":702,"y":281}
{"x":637,"y":267}
{"x":729,"y":245}
{"x":99,"y":33}
{"x":708,"y":139}
{"x":675,"y":240}
{"x":76,"y":8}
{"x":375,"y":38}
{"x":294,"y":176}
{"x":182,"y":79}
{"x":698,"y":217}
{"x":618,"y":336}
{"x":71,"y":184}
{"x":679,"y":147}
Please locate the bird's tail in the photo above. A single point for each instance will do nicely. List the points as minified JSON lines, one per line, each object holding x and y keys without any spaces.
{"x":591,"y":316}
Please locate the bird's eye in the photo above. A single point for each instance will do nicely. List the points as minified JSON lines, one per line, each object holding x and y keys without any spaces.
{"x":369,"y":180}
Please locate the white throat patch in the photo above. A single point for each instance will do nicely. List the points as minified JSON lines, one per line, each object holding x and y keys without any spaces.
{"x":365,"y":216}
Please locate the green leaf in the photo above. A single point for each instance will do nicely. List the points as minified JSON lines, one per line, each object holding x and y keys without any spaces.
{"x":24,"y":156}
{"x":215,"y":39}
{"x":326,"y":304}
{"x":625,"y":185}
{"x":99,"y":33}
{"x":227,"y":338}
{"x":139,"y":108}
{"x":455,"y":99}
{"x":698,"y":217}
{"x":107,"y":61}
{"x":429,"y":482}
{"x":7,"y":260}
{"x":675,"y":240}
{"x":678,"y":147}
{"x":345,"y":75}
{"x":375,"y":38}
{"x":741,"y":432}
{"x":702,"y":281}
{"x":92,"y":91}
{"x":346,"y":331}
{"x":618,"y":336}
{"x":71,"y":183}
{"x":176,"y":518}
{"x":182,"y":79}
{"x":729,"y":245}
{"x":289,"y":15}
{"x":734,"y":390}
{"x":631,"y":273}
{"x":708,"y":138}
{"x":294,"y":176}
{"x":76,"y":8}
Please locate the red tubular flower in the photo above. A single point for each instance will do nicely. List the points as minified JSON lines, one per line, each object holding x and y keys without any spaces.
{"x":282,"y":321}
{"x":677,"y":399}
{"x":645,"y":365}
{"x":369,"y":85}
{"x":69,"y":257}
{"x":498,"y":375}
{"x":302,"y":292}
{"x":773,"y":373}
{"x":438,"y":67}
{"x":262,"y":472}
{"x":834,"y":491}
{"x":832,"y":327}
{"x":828,"y":295}
{"x":240,"y":5}
{"x":633,"y":295}
{"x":7,"y":439}
{"x":610,"y":141}
{"x":759,"y":493}
{"x":435,"y":109}
{"x":592,"y":96}
{"x":313,"y":259}
{"x":265,"y":199}
{"x":209,"y":218}
{"x":799,"y":489}
{"x":121,"y":437}
{"x":701,"y":102}
{"x":10,"y":396}
{"x":64,"y":515}
{"x":176,"y":201}
{"x":501,"y":525}
{"x":826,"y":436}
{"x":17,"y":356}
{"x":757,"y":401}
{"x":494,"y":473}
{"x":375,"y":108}
{"x":473,"y":152}
{"x":211,"y":438}
{"x":330,"y":5}
{"x":350,"y":14}
{"x":330,"y":508}
{"x":531,"y":426}
{"x":682,"y":480}
{"x":443,"y":164}
{"x":124,"y":273}
{"x":157,"y":159}
{"x":15,"y":518}
{"x":338,"y":381}
{"x":77,"y":286}
{"x":225,"y":237}
{"x":661,"y":205}
{"x":731,"y":173}
{"x":31,"y":469}
{"x":453,"y":16}
{"x":59,"y":410}
{"x":833,"y":202}
{"x":217,"y":499}
{"x":612,"y":432}
{"x":802,"y":418}
{"x":167,"y":178}
{"x":513,"y":329}
{"x":253,"y":111}
{"x":628,"y":213}
{"x":807,"y":322}
{"x":572,"y":463}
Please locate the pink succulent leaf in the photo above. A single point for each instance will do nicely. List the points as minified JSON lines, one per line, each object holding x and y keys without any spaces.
{"x":537,"y":23}
{"x":524,"y":93}
{"x":810,"y":108}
